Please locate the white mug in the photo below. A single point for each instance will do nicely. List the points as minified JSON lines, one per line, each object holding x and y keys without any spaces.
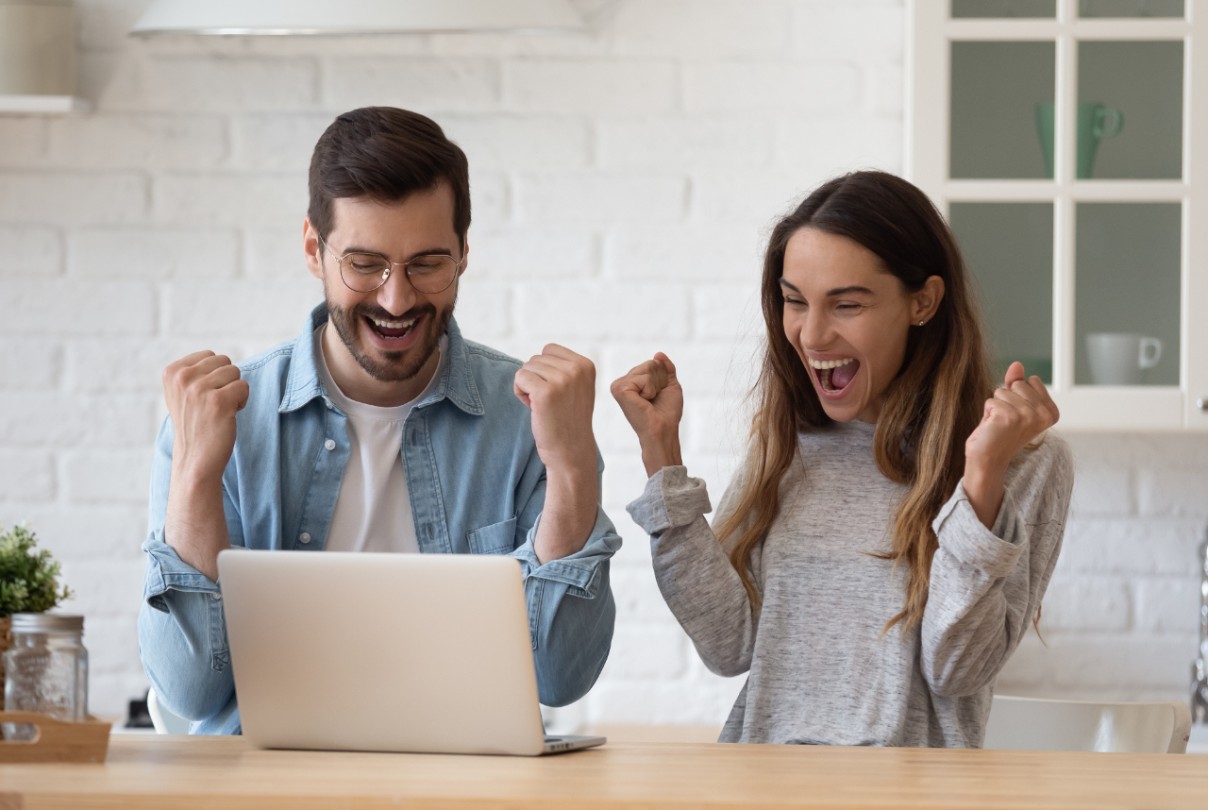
{"x":1118,"y":358}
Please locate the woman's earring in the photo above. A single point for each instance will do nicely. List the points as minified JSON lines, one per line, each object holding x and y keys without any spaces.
{"x":921,"y":323}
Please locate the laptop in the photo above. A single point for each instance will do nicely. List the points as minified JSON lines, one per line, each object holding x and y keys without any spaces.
{"x":362,"y":651}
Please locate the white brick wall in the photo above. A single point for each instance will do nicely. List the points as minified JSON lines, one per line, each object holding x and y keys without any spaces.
{"x":624,"y":181}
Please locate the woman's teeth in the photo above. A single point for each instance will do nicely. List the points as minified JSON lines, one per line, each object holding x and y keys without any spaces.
{"x":821,"y":364}
{"x":826,"y":368}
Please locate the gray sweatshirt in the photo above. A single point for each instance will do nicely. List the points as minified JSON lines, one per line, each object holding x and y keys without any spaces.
{"x":820,"y":670}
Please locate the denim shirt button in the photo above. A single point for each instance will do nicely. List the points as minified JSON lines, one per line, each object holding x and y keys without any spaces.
{"x":330,"y":444}
{"x":304,"y":538}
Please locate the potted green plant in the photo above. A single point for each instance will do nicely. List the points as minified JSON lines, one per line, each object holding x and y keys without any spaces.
{"x":29,"y":583}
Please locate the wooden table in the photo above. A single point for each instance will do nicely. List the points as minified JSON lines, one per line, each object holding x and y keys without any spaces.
{"x":166,"y":773}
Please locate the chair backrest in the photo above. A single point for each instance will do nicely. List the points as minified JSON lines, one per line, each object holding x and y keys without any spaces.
{"x":165,"y":722}
{"x":1038,"y":724}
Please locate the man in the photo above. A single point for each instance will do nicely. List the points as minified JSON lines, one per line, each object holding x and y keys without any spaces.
{"x":379,"y":428}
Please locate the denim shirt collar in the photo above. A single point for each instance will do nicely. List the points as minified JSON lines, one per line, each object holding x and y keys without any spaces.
{"x":457,"y":382}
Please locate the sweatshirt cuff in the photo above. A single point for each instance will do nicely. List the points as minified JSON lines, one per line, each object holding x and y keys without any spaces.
{"x":671,"y":498}
{"x":962,"y":534}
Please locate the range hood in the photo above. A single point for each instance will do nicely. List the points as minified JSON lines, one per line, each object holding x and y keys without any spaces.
{"x":339,"y":17}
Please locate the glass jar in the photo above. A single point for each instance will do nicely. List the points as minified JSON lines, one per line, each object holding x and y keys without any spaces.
{"x":46,"y":670}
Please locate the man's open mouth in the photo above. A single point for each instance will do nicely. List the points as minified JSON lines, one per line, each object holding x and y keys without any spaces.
{"x":392,"y":330}
{"x":834,"y":375}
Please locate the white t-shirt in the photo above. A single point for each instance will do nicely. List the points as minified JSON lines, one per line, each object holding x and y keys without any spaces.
{"x":373,"y":509}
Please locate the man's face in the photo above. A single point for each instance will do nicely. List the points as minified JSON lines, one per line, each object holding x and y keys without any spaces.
{"x":388,"y":338}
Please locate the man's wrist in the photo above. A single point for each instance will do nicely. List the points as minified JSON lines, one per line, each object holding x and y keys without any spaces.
{"x":575,"y":481}
{"x":194,"y":477}
{"x":572,"y":499}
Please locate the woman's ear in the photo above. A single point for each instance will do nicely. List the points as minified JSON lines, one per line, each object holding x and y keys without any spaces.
{"x":926,"y":301}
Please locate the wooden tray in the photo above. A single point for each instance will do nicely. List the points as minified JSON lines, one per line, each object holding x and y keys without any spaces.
{"x":56,"y":740}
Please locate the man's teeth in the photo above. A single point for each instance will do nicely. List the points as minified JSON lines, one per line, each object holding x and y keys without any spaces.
{"x":823,"y":364}
{"x":393,"y":324}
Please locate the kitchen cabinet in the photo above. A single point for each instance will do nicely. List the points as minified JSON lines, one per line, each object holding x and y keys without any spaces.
{"x":1057,"y":138}
{"x":38,"y":57}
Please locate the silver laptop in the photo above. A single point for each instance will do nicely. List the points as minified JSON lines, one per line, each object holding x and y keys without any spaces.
{"x":384,"y":652}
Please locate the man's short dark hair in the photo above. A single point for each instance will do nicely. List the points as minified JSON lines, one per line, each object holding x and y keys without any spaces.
{"x":385,"y":154}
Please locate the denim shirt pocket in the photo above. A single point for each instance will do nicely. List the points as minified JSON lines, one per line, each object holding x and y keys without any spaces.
{"x":497,"y":538}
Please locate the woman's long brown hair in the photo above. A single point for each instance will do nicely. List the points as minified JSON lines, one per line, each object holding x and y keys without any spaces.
{"x":929,"y":409}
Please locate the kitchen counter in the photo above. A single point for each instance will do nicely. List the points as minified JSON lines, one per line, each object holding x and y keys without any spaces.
{"x":148,"y":771}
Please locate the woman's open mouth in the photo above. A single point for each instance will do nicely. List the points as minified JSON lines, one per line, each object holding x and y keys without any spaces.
{"x":834,"y":375}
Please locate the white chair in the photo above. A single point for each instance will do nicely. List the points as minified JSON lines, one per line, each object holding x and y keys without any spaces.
{"x":165,"y":722}
{"x":1037,"y":724}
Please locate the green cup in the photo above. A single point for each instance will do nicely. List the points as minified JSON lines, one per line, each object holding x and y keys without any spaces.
{"x":1096,"y":122}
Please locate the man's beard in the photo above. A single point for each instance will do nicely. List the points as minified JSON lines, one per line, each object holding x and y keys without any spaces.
{"x":401,"y":365}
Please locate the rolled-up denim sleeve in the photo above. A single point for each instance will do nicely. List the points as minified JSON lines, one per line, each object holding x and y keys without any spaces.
{"x":571,"y":608}
{"x":181,"y":626}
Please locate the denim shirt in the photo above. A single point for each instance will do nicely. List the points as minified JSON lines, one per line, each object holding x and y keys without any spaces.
{"x":477,"y":486}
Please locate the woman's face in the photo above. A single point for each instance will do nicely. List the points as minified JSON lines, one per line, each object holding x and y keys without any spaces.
{"x":848,"y":318}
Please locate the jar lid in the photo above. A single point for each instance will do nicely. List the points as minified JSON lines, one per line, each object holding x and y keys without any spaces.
{"x":47,"y":623}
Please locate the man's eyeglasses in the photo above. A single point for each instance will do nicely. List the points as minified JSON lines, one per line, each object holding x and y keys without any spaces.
{"x":365,"y":272}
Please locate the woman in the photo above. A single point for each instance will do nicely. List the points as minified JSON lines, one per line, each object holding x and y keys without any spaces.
{"x":897,"y":519}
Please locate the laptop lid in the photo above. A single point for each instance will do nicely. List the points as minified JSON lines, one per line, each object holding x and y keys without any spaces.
{"x":381,"y":652}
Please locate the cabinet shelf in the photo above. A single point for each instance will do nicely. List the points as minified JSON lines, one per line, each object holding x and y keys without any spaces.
{"x":43,"y":105}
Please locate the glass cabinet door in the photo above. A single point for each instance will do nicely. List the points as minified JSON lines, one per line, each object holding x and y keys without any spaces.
{"x":1131,"y":8}
{"x":1130,"y":110}
{"x":1055,"y":135}
{"x":1126,"y":306}
{"x":1004,"y":8}
{"x":1014,"y":279}
{"x":996,"y":86}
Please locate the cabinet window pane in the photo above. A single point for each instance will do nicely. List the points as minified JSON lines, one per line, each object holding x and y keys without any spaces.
{"x":1126,"y":290}
{"x":1004,"y":8}
{"x":1130,"y":110}
{"x":997,"y":90}
{"x":1130,"y":8}
{"x":1009,"y":250}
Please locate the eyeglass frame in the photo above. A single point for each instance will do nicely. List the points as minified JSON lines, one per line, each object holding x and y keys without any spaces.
{"x":458,"y":266}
